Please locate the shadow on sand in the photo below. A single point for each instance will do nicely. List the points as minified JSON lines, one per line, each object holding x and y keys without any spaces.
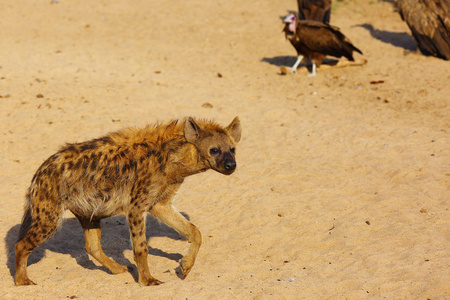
{"x":69,"y":239}
{"x":288,"y":61}
{"x":397,"y":39}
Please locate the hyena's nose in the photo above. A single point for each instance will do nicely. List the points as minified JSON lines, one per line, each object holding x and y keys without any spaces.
{"x":230,"y":165}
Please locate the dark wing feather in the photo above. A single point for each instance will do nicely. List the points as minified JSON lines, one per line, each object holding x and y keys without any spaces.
{"x":325,"y":39}
{"x":429,"y":22}
{"x":318,"y":10}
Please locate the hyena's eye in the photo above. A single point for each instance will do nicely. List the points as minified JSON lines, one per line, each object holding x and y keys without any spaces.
{"x":214,"y":151}
{"x":233,"y":150}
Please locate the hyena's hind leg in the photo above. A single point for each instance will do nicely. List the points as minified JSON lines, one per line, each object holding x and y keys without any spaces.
{"x":92,"y":235}
{"x":165,"y":212}
{"x":136,"y":222}
{"x":38,"y":225}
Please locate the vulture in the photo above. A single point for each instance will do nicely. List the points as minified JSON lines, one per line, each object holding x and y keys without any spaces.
{"x":429,"y":21}
{"x":318,"y":10}
{"x":314,"y":40}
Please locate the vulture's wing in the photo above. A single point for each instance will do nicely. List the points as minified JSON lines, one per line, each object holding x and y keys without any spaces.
{"x":318,"y":10}
{"x":429,"y":22}
{"x":325,"y":39}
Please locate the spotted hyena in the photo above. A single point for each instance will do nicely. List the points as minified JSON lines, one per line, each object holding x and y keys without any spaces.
{"x":134,"y":172}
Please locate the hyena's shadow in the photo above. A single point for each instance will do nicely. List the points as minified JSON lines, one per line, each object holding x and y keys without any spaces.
{"x":69,"y":239}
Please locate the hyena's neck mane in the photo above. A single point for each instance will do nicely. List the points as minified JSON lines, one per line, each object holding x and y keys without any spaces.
{"x":160,"y":133}
{"x":164,"y":145}
{"x":151,"y":134}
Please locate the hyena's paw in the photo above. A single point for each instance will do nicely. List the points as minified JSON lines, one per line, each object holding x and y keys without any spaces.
{"x":151,"y":281}
{"x":185,"y":266}
{"x":25,"y":281}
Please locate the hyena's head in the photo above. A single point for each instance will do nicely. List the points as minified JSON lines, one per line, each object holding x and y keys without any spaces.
{"x":216,"y":145}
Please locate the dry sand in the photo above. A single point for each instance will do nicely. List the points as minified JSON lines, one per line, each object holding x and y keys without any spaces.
{"x":342,"y":188}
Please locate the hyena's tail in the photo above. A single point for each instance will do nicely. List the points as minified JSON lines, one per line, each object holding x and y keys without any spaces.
{"x":26,"y":222}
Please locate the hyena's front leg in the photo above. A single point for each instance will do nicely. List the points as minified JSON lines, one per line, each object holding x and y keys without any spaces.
{"x":92,"y":234}
{"x":165,"y":212}
{"x":136,"y":221}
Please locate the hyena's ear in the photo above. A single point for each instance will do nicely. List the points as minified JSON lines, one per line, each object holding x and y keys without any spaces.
{"x":191,"y":130}
{"x":234,"y":129}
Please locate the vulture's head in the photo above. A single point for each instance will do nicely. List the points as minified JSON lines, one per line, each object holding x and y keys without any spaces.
{"x":291,"y":23}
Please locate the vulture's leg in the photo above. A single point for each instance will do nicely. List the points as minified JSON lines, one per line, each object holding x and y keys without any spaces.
{"x":313,"y":69}
{"x":294,"y":67}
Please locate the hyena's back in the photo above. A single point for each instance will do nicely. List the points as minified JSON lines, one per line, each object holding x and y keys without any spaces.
{"x":98,"y":177}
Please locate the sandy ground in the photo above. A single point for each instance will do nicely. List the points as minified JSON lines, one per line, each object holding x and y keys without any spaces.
{"x":342,"y":188}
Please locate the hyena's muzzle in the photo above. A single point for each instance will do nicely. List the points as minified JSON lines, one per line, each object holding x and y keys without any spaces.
{"x":227,"y":164}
